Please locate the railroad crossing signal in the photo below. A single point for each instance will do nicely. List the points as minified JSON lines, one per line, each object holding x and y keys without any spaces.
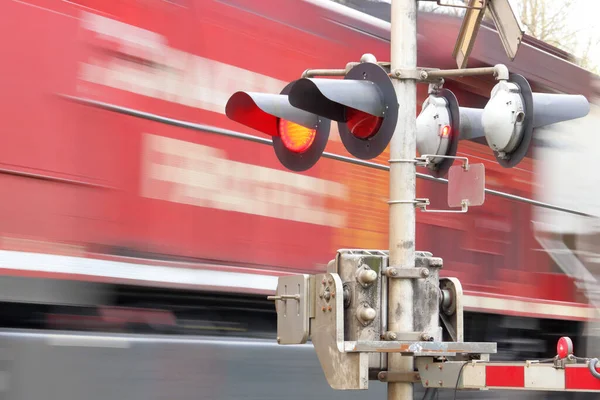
{"x":438,"y":127}
{"x":364,"y":104}
{"x":514,"y":111}
{"x":507,"y":121}
{"x":299,"y":137}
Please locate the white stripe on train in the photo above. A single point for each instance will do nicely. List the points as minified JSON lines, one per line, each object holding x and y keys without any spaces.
{"x":254,"y":281}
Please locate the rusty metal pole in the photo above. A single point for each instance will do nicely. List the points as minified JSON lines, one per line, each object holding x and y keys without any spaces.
{"x":402,"y":187}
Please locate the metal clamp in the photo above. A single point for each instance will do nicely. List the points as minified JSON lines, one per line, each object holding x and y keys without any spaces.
{"x":406,"y":273}
{"x":425,"y":160}
{"x":388,"y":376}
{"x":464,"y":208}
{"x":407,"y":336}
{"x":418,"y":74}
{"x":423,"y":203}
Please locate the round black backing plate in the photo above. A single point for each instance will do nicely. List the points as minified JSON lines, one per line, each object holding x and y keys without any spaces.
{"x":519,"y":153}
{"x":441,"y":169}
{"x":299,"y":162}
{"x":367,"y":149}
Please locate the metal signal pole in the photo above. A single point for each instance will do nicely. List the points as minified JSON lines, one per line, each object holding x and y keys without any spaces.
{"x":402,"y":187}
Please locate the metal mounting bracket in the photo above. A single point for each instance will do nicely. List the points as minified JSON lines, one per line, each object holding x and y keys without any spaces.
{"x":387,"y":376}
{"x":406,"y":273}
{"x":425,"y":202}
{"x":407,"y":336}
{"x":425,"y":160}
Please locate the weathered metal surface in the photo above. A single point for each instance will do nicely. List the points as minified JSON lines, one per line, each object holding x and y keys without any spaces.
{"x":292,"y":304}
{"x":417,"y":349}
{"x":452,"y":312}
{"x":343,"y":371}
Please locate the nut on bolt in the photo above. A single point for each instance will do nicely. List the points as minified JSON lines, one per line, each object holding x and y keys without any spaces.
{"x":424,"y":272}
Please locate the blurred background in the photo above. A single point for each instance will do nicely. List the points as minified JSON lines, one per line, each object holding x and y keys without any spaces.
{"x":136,"y":255}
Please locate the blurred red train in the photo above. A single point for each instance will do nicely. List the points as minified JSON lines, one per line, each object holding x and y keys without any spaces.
{"x":96,"y":205}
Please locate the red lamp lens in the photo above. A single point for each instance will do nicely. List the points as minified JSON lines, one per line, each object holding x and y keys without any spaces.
{"x":361,"y":124}
{"x":564,"y":347}
{"x":446,"y":130}
{"x":296,"y":138}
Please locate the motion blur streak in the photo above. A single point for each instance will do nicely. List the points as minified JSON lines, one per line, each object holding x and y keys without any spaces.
{"x":190,"y":173}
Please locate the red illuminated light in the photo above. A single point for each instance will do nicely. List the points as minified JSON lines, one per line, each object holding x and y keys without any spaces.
{"x":445,"y":132}
{"x":361,"y":124}
{"x":564,"y":347}
{"x":296,"y":137}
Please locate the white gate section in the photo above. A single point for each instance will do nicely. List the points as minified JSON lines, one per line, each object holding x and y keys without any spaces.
{"x":524,"y":376}
{"x":236,"y":279}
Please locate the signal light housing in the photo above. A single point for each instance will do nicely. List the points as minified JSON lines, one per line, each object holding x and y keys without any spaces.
{"x":299,"y":137}
{"x":364,"y":104}
{"x":514,"y":111}
{"x":438,"y":130}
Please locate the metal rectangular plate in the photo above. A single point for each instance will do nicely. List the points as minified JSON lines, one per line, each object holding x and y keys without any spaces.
{"x":421,"y":349}
{"x":468,"y":33}
{"x":292,"y":314}
{"x":508,"y":24}
{"x":466,"y":185}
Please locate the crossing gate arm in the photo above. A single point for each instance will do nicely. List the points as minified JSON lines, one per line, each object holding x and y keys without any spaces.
{"x":524,"y":375}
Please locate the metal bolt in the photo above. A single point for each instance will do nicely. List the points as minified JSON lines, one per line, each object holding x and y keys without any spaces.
{"x":426,"y":383}
{"x":441,"y":383}
{"x":393,"y":271}
{"x":329,"y":308}
{"x":278,"y":339}
{"x":366,"y":314}
{"x":390,"y":336}
{"x":424,"y":74}
{"x":332,"y":294}
{"x":323,"y":309}
{"x":441,"y":366}
{"x":382,"y":376}
{"x":367,"y":276}
{"x":426,"y":338}
{"x":398,"y":73}
{"x":424,"y":272}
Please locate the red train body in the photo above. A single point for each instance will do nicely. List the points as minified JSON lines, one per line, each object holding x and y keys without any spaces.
{"x":94,"y":195}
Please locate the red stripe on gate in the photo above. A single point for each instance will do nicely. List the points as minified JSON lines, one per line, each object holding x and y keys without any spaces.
{"x":580,"y":378}
{"x":504,"y":376}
